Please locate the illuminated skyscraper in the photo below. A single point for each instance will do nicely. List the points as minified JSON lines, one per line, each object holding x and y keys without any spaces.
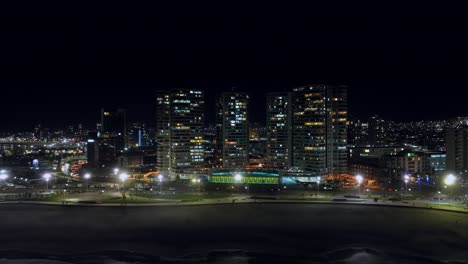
{"x":279,"y":129}
{"x":235,"y":130}
{"x":319,"y":129}
{"x":163,"y":131}
{"x":179,"y":123}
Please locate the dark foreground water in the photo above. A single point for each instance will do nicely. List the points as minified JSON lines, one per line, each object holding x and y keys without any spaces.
{"x":242,"y":233}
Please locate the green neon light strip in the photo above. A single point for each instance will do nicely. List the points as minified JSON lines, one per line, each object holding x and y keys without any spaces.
{"x":245,"y":180}
{"x":254,"y":173}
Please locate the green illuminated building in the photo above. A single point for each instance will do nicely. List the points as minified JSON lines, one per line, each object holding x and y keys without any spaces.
{"x":244,"y":177}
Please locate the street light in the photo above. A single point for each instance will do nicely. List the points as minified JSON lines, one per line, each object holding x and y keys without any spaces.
{"x":87,"y":176}
{"x":238,"y":177}
{"x":197,"y":181}
{"x":47,"y":177}
{"x":116,"y":171}
{"x":406,"y":182}
{"x":3,"y":176}
{"x":450,"y":180}
{"x":160,"y":178}
{"x":359,"y":179}
{"x":123,"y":176}
{"x":318,"y":184}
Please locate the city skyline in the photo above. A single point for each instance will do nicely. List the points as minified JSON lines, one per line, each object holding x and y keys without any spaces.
{"x":265,"y":133}
{"x":141,"y":108}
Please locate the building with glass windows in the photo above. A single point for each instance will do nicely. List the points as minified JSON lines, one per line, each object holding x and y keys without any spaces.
{"x":457,"y":150}
{"x":320,"y":129}
{"x":279,"y":129}
{"x":234,"y":130}
{"x":163,"y":131}
{"x":179,"y":123}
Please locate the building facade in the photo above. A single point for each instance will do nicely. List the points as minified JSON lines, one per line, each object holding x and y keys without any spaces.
{"x":114,"y":125}
{"x":110,"y":141}
{"x":376,"y":131}
{"x":320,"y":129}
{"x":457,"y":150}
{"x":163,"y":131}
{"x":357,"y":132}
{"x":234,"y":130}
{"x":180,"y":121}
{"x":279,"y":129}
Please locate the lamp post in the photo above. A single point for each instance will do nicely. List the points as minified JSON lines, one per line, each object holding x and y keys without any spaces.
{"x":449,"y":181}
{"x":47,"y":177}
{"x":87,"y":176}
{"x":238,"y":178}
{"x":123,"y":177}
{"x":359,"y":179}
{"x":197,"y":181}
{"x":3,"y":176}
{"x":406,"y":182}
{"x":318,"y":185}
{"x":160,"y":178}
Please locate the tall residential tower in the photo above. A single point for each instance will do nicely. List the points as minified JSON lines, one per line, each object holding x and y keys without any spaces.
{"x":279,"y":129}
{"x":234,"y":130}
{"x":319,"y":129}
{"x":457,"y":150}
{"x":180,"y":120}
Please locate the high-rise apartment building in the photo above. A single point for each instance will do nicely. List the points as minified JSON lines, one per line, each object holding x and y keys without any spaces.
{"x":114,"y":125}
{"x":218,"y":144}
{"x":319,"y":129}
{"x":234,"y":130}
{"x":180,"y":120}
{"x":279,"y":129}
{"x":358,"y":132}
{"x":110,"y":140}
{"x":457,"y":150}
{"x":376,"y":131}
{"x":163,"y":131}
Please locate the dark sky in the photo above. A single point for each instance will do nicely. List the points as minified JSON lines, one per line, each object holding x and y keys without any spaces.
{"x":60,"y":65}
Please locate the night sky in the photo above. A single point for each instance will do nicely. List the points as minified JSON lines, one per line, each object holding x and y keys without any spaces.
{"x":59,"y":68}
